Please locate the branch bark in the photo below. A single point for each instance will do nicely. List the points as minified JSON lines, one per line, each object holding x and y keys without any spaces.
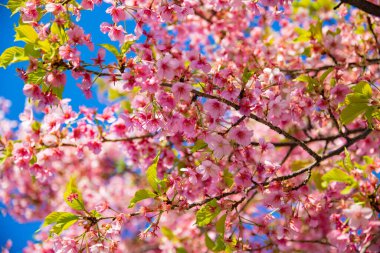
{"x":364,"y":5}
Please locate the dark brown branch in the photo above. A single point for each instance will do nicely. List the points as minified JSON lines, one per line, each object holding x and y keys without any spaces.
{"x":325,"y":138}
{"x":365,"y":6}
{"x":366,"y":62}
{"x":234,"y":124}
{"x":290,"y":150}
{"x":370,"y":25}
{"x":349,"y":143}
{"x":109,"y":140}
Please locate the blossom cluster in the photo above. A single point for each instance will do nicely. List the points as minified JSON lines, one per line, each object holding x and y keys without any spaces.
{"x":222,"y":132}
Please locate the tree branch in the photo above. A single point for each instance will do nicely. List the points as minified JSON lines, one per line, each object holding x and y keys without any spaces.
{"x":365,"y":6}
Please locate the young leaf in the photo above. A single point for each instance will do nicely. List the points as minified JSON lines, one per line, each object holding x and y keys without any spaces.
{"x":220,"y":224}
{"x":141,"y":195}
{"x":228,"y":178}
{"x":15,"y":5}
{"x":198,"y":145}
{"x":246,"y":75}
{"x":352,"y":111}
{"x":126,"y":46}
{"x":64,"y":221}
{"x":209,"y":243}
{"x":181,"y":250}
{"x":26,"y":33}
{"x":111,"y":48}
{"x":219,"y":244}
{"x":337,"y":175}
{"x":325,"y":74}
{"x":59,"y":31}
{"x":12,"y":55}
{"x":364,"y":88}
{"x":168,"y":233}
{"x":51,"y":218}
{"x":207,"y":213}
{"x":72,"y":196}
{"x":348,"y":165}
{"x":151,"y":173}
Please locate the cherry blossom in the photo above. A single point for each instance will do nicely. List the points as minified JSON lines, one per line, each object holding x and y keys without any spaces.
{"x":358,"y":216}
{"x":226,"y":126}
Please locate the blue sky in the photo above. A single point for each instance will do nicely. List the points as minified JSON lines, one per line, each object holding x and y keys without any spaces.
{"x":11,"y":88}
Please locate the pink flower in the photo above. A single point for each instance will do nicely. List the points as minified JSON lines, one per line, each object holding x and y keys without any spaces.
{"x":76,"y":35}
{"x":100,"y":57}
{"x":32,"y":91}
{"x":182,"y":91}
{"x":70,"y":54}
{"x":101,"y":207}
{"x":265,"y":146}
{"x":207,"y":169}
{"x":29,"y":13}
{"x":219,"y":145}
{"x":358,"y":216}
{"x":56,"y":79}
{"x":87,"y":4}
{"x":118,"y":13}
{"x":241,"y":135}
{"x":339,"y":93}
{"x":165,"y":99}
{"x":116,"y":33}
{"x":214,"y":108}
{"x":54,"y":8}
{"x":276,"y":106}
{"x":230,"y":92}
{"x":166,"y":67}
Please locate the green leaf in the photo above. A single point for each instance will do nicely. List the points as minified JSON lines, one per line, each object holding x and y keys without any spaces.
{"x":141,"y":195}
{"x":325,"y":74}
{"x":198,"y":145}
{"x":228,"y":178}
{"x":95,"y":214}
{"x":168,"y":233}
{"x":61,"y":221}
{"x":347,"y":162}
{"x":71,"y":188}
{"x":111,"y":48}
{"x":64,"y":221}
{"x":307,"y":52}
{"x":364,"y":88}
{"x":181,"y":250}
{"x":347,"y":189}
{"x":120,"y":166}
{"x":207,"y":213}
{"x":33,"y":160}
{"x":220,"y":224}
{"x":219,"y":244}
{"x":126,"y":46}
{"x":15,"y":5}
{"x":337,"y":175}
{"x":246,"y":75}
{"x":352,"y":111}
{"x":36,"y":77}
{"x":59,"y":31}
{"x":51,"y":218}
{"x":316,"y":31}
{"x":312,"y":82}
{"x":12,"y":55}
{"x":29,"y":50}
{"x":151,"y":173}
{"x":209,"y":243}
{"x":26,"y":33}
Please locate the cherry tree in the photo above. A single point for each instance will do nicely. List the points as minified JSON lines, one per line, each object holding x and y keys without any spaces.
{"x":230,"y":126}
